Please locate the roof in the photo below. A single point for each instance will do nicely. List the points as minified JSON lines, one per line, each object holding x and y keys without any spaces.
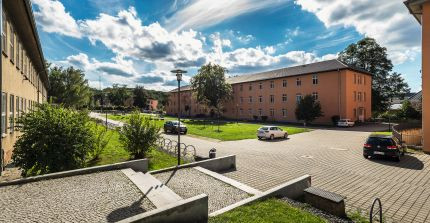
{"x":323,"y":66}
{"x":417,"y":97}
{"x":415,"y":8}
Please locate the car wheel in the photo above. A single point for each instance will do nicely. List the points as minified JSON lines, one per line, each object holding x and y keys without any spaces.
{"x":366,"y":157}
{"x":185,"y":132}
{"x":259,"y":138}
{"x":285,"y":135}
{"x":272,"y":137}
{"x":165,"y":130}
{"x":397,"y":158}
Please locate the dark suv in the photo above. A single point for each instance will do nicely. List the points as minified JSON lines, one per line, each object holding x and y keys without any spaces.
{"x":381,"y":145}
{"x":172,"y":126}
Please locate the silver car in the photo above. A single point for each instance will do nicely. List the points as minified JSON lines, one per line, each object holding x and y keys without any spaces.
{"x":271,"y":132}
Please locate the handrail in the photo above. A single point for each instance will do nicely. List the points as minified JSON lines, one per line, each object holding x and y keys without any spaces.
{"x":372,"y":215}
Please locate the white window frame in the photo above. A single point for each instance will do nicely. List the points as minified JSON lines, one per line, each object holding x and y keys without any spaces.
{"x":250,"y":99}
{"x":298,"y":82}
{"x":260,"y":85}
{"x":272,"y":84}
{"x":272,"y":99}
{"x":284,"y":98}
{"x":298,"y":98}
{"x":272,"y":112}
{"x":284,"y":112}
{"x":315,"y":79}
{"x":315,"y":95}
{"x":3,"y":127}
{"x":4,"y":32}
{"x":11,"y":113}
{"x":284,"y":83}
{"x":260,"y":99}
{"x":260,"y":112}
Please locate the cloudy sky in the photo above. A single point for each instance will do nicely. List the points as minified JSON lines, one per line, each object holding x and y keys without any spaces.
{"x":139,"y":42}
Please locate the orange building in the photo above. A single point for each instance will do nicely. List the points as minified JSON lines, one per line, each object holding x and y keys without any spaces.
{"x":342,"y":90}
{"x":421,"y":11}
{"x":152,"y":104}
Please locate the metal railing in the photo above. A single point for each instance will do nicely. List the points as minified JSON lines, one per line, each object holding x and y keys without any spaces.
{"x":378,"y":213}
{"x":188,"y":152}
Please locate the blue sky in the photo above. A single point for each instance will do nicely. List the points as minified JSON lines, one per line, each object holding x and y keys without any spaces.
{"x":139,"y":42}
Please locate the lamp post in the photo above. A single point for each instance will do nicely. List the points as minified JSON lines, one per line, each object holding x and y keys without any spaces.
{"x":179,"y":73}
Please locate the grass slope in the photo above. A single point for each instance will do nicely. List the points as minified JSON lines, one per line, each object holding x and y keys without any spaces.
{"x":227,"y":130}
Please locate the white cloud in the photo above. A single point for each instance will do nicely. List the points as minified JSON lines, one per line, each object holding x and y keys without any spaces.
{"x":53,"y":18}
{"x":204,"y":13}
{"x":388,"y":21}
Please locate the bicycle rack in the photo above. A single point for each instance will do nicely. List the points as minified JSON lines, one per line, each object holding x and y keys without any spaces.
{"x":373,"y":215}
{"x":188,"y":152}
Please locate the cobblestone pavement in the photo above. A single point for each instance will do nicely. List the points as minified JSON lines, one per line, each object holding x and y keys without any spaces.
{"x":334,"y":160}
{"x":190,"y":182}
{"x":99,"y":197}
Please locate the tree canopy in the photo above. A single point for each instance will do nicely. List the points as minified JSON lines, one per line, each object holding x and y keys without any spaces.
{"x":119,"y":94}
{"x":367,"y":54}
{"x":308,"y":109}
{"x":69,"y":87}
{"x":210,"y":86}
{"x":140,"y":97}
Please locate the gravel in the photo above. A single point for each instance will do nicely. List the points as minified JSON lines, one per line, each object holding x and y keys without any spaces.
{"x":190,"y":182}
{"x":315,"y":211}
{"x":99,"y":197}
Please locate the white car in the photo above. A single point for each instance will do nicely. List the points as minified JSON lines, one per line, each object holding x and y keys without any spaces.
{"x":345,"y":123}
{"x":271,"y":132}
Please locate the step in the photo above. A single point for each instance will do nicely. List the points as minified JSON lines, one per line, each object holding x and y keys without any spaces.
{"x":158,"y":193}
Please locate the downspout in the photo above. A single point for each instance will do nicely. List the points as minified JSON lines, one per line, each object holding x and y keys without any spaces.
{"x":340,"y":92}
{"x":1,"y":88}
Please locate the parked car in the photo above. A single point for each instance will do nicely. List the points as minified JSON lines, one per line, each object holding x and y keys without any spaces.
{"x":345,"y":123}
{"x":382,"y":145}
{"x":172,"y":126}
{"x":271,"y":132}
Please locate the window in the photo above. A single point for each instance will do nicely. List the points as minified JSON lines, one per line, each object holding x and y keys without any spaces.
{"x":250,"y":87}
{"x":4,"y":33}
{"x":18,"y":49}
{"x":21,"y":52}
{"x":260,"y":99}
{"x":272,"y":99}
{"x":355,"y":96}
{"x":241,"y":111}
{"x":298,"y":98}
{"x":241,"y":87}
{"x":298,"y":82}
{"x":355,"y":113}
{"x":11,"y":113}
{"x":272,"y":112}
{"x":17,"y":107}
{"x":359,"y":79}
{"x":260,"y":85}
{"x":260,"y":112}
{"x":315,"y":79}
{"x":250,"y":111}
{"x":12,"y":44}
{"x":250,"y":99}
{"x":359,"y":96}
{"x":241,"y":100}
{"x":284,"y":98}
{"x":284,"y":112}
{"x":364,"y":96}
{"x":3,"y":113}
{"x":315,"y":95}
{"x":355,"y":78}
{"x":272,"y":84}
{"x":284,"y":83}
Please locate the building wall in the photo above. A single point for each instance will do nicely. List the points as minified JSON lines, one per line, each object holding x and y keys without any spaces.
{"x":152,"y":104}
{"x":19,"y":80}
{"x":335,"y":92}
{"x":426,"y":75}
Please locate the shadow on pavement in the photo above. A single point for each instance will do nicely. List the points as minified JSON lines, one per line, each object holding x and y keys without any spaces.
{"x":406,"y":162}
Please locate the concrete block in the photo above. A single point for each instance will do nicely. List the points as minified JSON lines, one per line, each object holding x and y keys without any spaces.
{"x":193,"y":209}
{"x":325,"y":200}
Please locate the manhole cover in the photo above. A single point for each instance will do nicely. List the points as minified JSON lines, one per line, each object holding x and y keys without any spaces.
{"x":307,"y":156}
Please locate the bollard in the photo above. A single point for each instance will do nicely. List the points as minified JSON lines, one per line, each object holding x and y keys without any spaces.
{"x":212,"y":153}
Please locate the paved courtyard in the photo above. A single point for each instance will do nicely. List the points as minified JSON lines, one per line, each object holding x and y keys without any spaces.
{"x":335,"y":162}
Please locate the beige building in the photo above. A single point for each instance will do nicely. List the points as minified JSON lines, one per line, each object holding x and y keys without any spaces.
{"x":342,"y":91}
{"x":24,"y":79}
{"x":420,"y":9}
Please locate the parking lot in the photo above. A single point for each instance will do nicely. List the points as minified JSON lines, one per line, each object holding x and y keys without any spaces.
{"x":334,"y":160}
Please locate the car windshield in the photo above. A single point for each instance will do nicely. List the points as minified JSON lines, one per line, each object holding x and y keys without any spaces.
{"x":343,"y":120}
{"x":380,"y":141}
{"x":264,"y":128}
{"x":176,"y":123}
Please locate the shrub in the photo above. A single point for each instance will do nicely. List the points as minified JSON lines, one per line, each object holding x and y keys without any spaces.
{"x":255,"y":117}
{"x":335,"y":119}
{"x":139,"y":135}
{"x":101,"y":139}
{"x":264,"y":118}
{"x":52,"y":139}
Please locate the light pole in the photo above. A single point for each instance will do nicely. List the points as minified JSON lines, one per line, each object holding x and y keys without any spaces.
{"x":179,"y":73}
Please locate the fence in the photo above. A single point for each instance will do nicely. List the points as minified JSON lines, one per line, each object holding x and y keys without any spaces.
{"x":409,"y":134}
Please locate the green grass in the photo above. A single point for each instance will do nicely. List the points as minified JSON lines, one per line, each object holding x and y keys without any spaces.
{"x":227,"y":130}
{"x":382,"y":133}
{"x":271,"y":210}
{"x":115,"y":153}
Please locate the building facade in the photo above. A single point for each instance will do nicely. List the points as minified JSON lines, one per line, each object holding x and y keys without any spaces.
{"x":420,"y":9}
{"x":24,"y":80}
{"x":152,"y":104}
{"x":342,"y":91}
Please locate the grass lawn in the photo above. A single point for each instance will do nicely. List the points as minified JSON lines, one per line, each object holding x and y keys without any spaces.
{"x":228,"y":130}
{"x":382,"y":133}
{"x":115,"y":153}
{"x":271,"y":210}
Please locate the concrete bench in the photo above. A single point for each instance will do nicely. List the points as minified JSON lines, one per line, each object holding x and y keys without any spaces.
{"x":325,"y":200}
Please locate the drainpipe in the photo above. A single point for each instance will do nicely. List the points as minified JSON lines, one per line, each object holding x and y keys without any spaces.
{"x":340,"y":92}
{"x":1,"y":88}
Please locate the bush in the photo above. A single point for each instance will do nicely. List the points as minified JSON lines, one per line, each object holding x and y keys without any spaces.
{"x":101,"y":139}
{"x":264,"y":118}
{"x":335,"y":119}
{"x":255,"y":117}
{"x":139,"y":135}
{"x":52,"y":139}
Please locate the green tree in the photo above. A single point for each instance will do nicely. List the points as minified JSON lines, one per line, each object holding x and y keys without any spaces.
{"x":409,"y":112}
{"x":308,"y":109}
{"x":53,"y":138}
{"x":139,"y":135}
{"x":210,"y":87}
{"x":140,"y":97}
{"x":368,"y":55}
{"x":69,"y":87}
{"x":118,"y":95}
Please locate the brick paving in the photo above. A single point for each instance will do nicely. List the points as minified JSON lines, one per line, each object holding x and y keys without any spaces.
{"x":100,"y":197}
{"x":335,"y":162}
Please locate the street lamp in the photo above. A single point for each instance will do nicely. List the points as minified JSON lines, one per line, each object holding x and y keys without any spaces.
{"x":179,"y":73}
